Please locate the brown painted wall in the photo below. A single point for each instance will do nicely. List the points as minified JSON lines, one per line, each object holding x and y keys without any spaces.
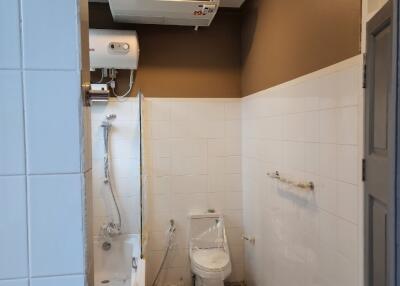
{"x":180,"y":62}
{"x":285,"y":39}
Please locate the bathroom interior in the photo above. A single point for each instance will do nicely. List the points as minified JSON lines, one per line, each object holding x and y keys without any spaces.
{"x":202,"y":142}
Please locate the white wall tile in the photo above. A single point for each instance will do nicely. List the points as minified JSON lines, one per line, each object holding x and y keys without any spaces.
{"x":347,"y":164}
{"x":124,"y":147}
{"x":189,"y":166}
{"x":232,"y":128}
{"x":311,"y":129}
{"x":10,"y":51}
{"x":233,"y":110}
{"x":55,"y":248}
{"x":328,"y":125}
{"x":347,"y":200}
{"x":189,"y":184}
{"x":311,"y":135}
{"x":347,"y":239}
{"x":347,"y":125}
{"x":158,"y":110}
{"x":12,"y":150}
{"x":59,"y":281}
{"x":53,"y":134}
{"x":195,"y":165}
{"x":13,"y":242}
{"x":328,"y":160}
{"x":294,"y":127}
{"x":50,"y":46}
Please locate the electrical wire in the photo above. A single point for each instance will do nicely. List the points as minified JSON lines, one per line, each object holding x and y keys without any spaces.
{"x":101,"y":79}
{"x":126,"y":93}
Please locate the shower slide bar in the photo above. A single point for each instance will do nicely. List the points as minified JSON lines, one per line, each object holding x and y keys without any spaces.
{"x":310,"y":186}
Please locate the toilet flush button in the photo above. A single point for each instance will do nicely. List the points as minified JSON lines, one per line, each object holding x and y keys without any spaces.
{"x":125,"y":47}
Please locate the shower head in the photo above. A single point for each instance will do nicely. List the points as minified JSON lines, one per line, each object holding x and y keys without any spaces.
{"x":110,"y":117}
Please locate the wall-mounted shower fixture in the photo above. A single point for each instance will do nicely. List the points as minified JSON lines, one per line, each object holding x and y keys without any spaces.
{"x":111,"y":228}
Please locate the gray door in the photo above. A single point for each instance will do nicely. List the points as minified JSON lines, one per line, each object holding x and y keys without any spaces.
{"x":379,"y":147}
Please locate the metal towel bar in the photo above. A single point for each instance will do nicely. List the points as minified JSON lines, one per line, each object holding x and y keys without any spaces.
{"x":302,"y":185}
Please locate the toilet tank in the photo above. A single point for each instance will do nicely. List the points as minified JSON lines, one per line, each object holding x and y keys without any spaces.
{"x":207,"y":230}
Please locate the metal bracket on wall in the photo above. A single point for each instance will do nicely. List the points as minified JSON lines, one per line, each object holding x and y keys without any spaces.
{"x":364,"y":79}
{"x":98,"y":93}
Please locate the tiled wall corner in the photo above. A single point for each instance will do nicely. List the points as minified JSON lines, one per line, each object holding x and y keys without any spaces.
{"x":41,"y":177}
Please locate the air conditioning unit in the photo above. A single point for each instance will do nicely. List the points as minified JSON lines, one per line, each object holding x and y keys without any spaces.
{"x":165,"y":12}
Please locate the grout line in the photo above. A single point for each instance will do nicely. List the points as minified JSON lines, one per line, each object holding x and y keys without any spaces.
{"x":14,"y":279}
{"x":58,"y":275}
{"x":53,"y":174}
{"x":12,"y":175}
{"x":27,"y":194}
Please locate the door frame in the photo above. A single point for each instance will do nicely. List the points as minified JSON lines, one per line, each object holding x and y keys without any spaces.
{"x":393,"y":212}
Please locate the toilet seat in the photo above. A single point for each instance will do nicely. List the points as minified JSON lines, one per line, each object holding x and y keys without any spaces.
{"x":211,"y":260}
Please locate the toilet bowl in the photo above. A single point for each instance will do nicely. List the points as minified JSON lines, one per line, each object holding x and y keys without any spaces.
{"x":208,"y":249}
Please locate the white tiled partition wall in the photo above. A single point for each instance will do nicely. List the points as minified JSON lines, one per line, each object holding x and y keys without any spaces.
{"x":308,"y":129}
{"x":193,"y":162}
{"x":42,"y":175}
{"x":124,"y":147}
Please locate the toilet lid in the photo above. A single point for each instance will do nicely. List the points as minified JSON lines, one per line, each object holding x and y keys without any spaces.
{"x":212,"y":259}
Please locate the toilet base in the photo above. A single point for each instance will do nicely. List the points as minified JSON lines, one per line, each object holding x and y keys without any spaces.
{"x":208,"y":282}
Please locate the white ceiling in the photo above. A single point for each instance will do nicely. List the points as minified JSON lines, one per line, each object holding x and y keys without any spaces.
{"x":224,"y":3}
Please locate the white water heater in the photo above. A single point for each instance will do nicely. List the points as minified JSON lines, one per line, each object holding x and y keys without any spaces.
{"x":113,"y":49}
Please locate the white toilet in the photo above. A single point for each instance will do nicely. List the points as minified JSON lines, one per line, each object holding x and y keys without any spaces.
{"x":209,"y":252}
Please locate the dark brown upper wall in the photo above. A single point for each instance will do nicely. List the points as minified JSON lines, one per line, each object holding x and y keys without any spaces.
{"x":285,"y":39}
{"x":180,"y":62}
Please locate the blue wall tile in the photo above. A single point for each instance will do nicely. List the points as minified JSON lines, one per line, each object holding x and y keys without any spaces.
{"x":13,"y":228}
{"x":10,"y":48}
{"x":55,"y":220}
{"x":19,"y":282}
{"x":50,"y":35}
{"x":53,"y":129}
{"x":12,"y":150}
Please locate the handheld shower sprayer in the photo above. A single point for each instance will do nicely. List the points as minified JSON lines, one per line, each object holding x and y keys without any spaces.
{"x":171,"y":235}
{"x":172,"y":227}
